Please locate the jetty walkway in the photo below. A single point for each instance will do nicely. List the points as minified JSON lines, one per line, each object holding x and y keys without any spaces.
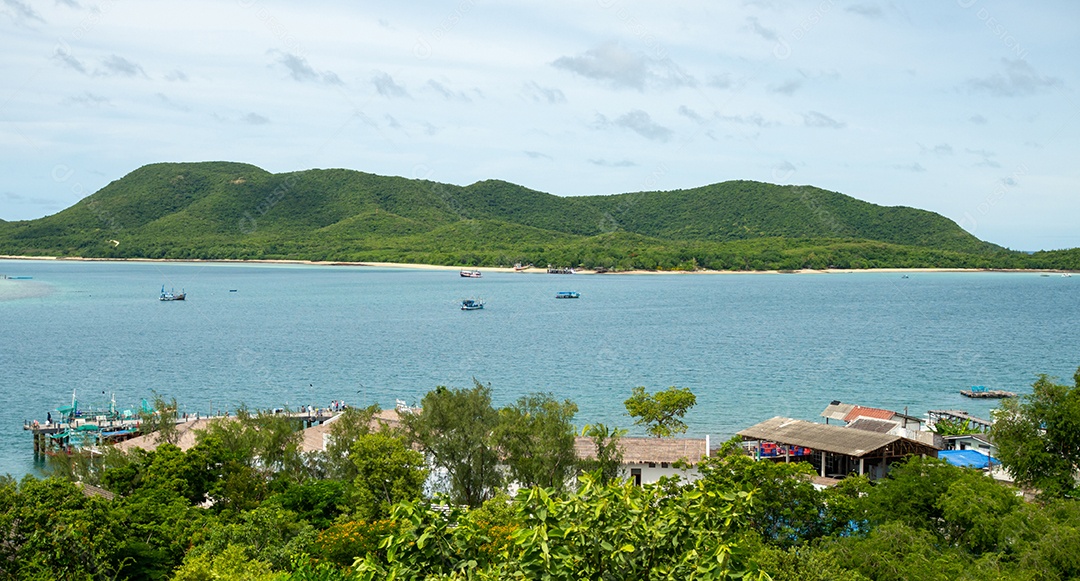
{"x":68,"y":433}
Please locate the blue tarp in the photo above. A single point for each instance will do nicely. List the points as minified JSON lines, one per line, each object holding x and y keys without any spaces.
{"x":967,"y":458}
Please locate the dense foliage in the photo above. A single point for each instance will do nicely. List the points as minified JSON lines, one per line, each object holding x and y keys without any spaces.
{"x":245,"y":503}
{"x":221,"y":210}
{"x":1040,"y":437}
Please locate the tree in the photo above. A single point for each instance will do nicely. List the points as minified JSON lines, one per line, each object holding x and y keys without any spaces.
{"x":662,"y":412}
{"x":387,"y":472}
{"x":1038,"y":439}
{"x":350,"y":425}
{"x":536,"y":438}
{"x":454,"y":428}
{"x":608,"y":458}
{"x":160,"y":419}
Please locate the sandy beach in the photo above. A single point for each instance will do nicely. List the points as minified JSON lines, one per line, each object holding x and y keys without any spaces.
{"x":529,"y":270}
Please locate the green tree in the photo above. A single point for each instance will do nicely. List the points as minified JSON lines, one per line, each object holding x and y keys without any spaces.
{"x":454,"y":428}
{"x":1038,"y":438}
{"x":50,"y":530}
{"x":661,"y":412}
{"x":349,"y":426}
{"x":607,"y":452}
{"x":536,"y":438}
{"x":160,"y":419}
{"x":387,"y":472}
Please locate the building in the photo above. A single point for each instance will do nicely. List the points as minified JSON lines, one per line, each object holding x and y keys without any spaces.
{"x":834,"y":451}
{"x":646,"y":460}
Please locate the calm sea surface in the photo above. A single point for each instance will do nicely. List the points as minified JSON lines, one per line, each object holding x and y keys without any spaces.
{"x":750,"y":346}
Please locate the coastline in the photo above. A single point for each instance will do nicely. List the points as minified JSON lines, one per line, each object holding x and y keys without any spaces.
{"x":530,"y":270}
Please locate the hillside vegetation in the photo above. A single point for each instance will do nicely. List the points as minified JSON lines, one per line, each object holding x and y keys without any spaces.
{"x":225,"y":210}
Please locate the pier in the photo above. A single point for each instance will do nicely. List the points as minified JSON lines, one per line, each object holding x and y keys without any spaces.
{"x":84,"y":433}
{"x":958,"y":415}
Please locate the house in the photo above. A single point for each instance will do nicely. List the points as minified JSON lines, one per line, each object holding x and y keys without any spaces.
{"x":879,"y":420}
{"x":834,"y":451}
{"x":646,"y":460}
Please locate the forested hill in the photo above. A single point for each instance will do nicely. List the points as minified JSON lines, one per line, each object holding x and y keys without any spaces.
{"x":235,"y":210}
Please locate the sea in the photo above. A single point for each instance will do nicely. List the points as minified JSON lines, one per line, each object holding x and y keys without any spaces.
{"x":749,"y":346}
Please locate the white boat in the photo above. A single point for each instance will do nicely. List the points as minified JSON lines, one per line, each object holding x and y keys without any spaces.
{"x":471,"y":273}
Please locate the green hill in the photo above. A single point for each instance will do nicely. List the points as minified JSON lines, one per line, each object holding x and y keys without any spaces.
{"x":230,"y":210}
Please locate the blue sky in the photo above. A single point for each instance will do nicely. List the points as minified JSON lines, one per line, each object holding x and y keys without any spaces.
{"x":967,"y":108}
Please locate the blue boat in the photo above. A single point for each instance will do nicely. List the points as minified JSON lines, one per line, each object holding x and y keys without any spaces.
{"x":472,"y":304}
{"x":567,"y":295}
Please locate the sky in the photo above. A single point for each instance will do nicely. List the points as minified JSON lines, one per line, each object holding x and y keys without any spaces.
{"x":967,"y":108}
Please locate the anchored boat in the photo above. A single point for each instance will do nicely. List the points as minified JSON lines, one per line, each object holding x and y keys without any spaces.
{"x":567,"y":295}
{"x":472,"y":304}
{"x":172,"y":295}
{"x":471,"y":273}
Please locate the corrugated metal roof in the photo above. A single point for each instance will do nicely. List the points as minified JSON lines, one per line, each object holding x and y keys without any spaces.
{"x":825,"y":437}
{"x":872,"y":425}
{"x":866,"y":412}
{"x":837,"y":411}
{"x":648,"y":450}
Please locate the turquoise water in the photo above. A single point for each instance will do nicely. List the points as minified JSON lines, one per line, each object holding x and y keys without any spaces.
{"x":750,"y":346}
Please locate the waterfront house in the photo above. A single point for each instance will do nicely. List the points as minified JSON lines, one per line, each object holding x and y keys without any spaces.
{"x":646,"y":460}
{"x":833,"y":451}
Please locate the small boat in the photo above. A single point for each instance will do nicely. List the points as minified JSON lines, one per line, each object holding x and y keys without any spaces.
{"x":560,"y":269}
{"x":567,"y":295}
{"x":472,"y":304}
{"x":518,"y":267}
{"x":1066,"y":274}
{"x":172,"y":295}
{"x":471,"y":273}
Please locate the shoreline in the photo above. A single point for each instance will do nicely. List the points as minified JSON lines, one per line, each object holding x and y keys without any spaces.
{"x":530,"y":270}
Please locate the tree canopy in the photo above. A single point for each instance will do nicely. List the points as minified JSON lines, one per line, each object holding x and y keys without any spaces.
{"x":1038,"y":437}
{"x":661,"y":412}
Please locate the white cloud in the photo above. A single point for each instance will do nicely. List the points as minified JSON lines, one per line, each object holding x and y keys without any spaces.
{"x":21,"y":11}
{"x":1018,"y":79}
{"x":549,"y":95}
{"x":817,"y":119}
{"x":386,"y":86}
{"x":254,"y":119}
{"x":606,"y":163}
{"x":622,"y":68}
{"x":301,"y":71}
{"x":117,"y":65}
{"x":872,"y":11}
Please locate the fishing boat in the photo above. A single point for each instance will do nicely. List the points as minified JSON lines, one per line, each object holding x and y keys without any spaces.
{"x":471,"y":273}
{"x":472,"y":304}
{"x":172,"y":295}
{"x":567,"y":295}
{"x":518,"y":267}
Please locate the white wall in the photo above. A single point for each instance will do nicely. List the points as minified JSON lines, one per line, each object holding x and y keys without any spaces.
{"x":651,"y":474}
